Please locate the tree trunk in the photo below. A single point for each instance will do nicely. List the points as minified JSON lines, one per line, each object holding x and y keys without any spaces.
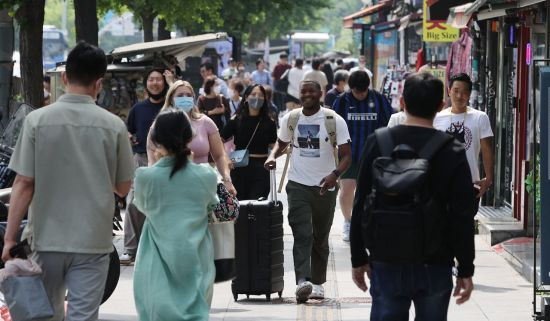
{"x":163,"y":33}
{"x":86,"y":21}
{"x":147,"y":19}
{"x":6,"y":65}
{"x":236,"y":48}
{"x":30,"y":16}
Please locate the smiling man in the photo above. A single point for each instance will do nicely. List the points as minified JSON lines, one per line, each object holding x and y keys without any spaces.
{"x":140,"y":119}
{"x":312,"y":184}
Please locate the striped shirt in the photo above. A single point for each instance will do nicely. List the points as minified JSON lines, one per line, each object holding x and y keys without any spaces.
{"x":363,"y":117}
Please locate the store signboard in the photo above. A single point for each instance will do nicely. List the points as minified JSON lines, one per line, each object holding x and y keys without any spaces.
{"x":544,"y":175}
{"x":528,"y":54}
{"x":435,"y":28}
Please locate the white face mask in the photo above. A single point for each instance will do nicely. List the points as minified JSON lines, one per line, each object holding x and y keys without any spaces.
{"x":346,"y":88}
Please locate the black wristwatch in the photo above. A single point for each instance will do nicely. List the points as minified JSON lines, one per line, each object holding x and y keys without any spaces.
{"x":337,"y":173}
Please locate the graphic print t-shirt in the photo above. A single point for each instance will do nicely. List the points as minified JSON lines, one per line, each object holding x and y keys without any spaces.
{"x":468,"y":128}
{"x":312,"y":155}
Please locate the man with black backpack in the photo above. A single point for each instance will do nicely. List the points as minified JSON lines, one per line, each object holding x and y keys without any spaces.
{"x":412,"y":212}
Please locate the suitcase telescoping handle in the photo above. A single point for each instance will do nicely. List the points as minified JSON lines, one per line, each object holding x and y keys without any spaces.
{"x":273,"y":182}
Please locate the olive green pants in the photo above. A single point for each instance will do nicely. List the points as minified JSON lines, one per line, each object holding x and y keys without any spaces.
{"x":310,"y":216}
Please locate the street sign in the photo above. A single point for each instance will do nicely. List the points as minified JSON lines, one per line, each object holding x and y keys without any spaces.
{"x":437,"y":30}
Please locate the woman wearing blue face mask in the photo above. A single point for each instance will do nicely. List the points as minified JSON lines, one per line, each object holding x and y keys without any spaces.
{"x":206,"y":140}
{"x":254,"y":129}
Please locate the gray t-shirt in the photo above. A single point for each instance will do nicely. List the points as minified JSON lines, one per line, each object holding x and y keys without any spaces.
{"x":76,"y":152}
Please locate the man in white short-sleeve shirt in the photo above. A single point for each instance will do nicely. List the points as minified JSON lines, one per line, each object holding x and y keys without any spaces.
{"x":472,"y":128}
{"x":312,"y":186}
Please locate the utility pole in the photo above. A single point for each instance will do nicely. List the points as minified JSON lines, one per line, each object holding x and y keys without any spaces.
{"x":64,"y":19}
{"x":6,"y":62}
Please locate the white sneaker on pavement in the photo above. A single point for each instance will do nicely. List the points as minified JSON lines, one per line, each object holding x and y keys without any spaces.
{"x":303,"y":290}
{"x":126,"y":259}
{"x":345,"y":232}
{"x":318,"y":292}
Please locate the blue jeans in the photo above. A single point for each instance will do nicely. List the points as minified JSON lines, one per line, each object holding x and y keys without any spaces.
{"x":394,"y":286}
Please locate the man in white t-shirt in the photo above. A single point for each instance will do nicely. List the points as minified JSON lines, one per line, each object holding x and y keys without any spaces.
{"x":472,"y":128}
{"x":312,"y":186}
{"x":295,"y":75}
{"x":317,"y":75}
{"x":362,"y":66}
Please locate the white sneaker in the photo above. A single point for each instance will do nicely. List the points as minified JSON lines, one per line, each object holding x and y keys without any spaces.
{"x":126,"y":259}
{"x":303,"y":290}
{"x":318,"y":292}
{"x":345,"y":232}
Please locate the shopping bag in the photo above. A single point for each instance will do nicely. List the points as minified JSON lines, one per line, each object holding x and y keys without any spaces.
{"x":26,"y":298}
{"x":223,"y":239}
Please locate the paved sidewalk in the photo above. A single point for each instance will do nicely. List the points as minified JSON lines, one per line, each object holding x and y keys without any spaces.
{"x":501,"y":294}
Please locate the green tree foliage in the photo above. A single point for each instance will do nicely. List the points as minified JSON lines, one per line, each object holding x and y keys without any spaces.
{"x":53,"y":16}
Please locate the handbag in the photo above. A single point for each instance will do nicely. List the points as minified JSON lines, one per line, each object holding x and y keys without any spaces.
{"x":228,"y":207}
{"x":240,"y":157}
{"x":223,"y":240}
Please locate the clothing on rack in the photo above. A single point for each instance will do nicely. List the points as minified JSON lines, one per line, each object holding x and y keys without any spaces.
{"x":392,"y":85}
{"x":459,"y":56}
{"x":420,"y":58}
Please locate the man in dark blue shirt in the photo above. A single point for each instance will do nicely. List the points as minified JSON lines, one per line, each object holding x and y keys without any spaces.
{"x":364,"y":111}
{"x":140,"y":119}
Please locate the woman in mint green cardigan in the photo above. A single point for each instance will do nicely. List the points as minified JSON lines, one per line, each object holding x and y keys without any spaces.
{"x":174,"y":268}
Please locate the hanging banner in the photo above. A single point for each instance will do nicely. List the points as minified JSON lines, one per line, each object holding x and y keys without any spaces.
{"x":544,"y":176}
{"x":435,"y":28}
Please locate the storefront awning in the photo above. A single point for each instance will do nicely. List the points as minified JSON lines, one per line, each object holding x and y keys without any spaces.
{"x":526,"y":3}
{"x":175,"y":47}
{"x":494,"y":12}
{"x":349,"y":21}
{"x":409,"y":21}
{"x":458,"y":16}
{"x":498,"y":8}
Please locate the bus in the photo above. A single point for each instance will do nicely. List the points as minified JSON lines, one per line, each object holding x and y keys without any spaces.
{"x":54,"y":47}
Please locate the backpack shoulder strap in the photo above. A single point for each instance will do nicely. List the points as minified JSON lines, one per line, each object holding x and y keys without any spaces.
{"x":385,"y":141}
{"x":330,"y":125}
{"x":292,"y":124}
{"x":434,"y":145}
{"x":293,"y":121}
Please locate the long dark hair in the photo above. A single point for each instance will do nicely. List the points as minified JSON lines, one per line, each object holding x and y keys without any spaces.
{"x":242,"y":110}
{"x":173,"y":131}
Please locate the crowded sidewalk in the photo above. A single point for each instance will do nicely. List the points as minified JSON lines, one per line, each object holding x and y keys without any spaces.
{"x":500,"y":293}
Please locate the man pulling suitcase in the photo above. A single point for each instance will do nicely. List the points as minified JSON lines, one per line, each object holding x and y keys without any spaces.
{"x":312,"y":186}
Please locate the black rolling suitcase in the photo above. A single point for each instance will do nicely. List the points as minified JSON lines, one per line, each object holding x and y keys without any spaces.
{"x":259,"y":247}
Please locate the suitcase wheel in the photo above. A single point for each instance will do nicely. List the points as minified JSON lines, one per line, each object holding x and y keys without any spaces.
{"x":268,"y":297}
{"x":280,"y":293}
{"x":235,"y":296}
{"x":248,"y":296}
